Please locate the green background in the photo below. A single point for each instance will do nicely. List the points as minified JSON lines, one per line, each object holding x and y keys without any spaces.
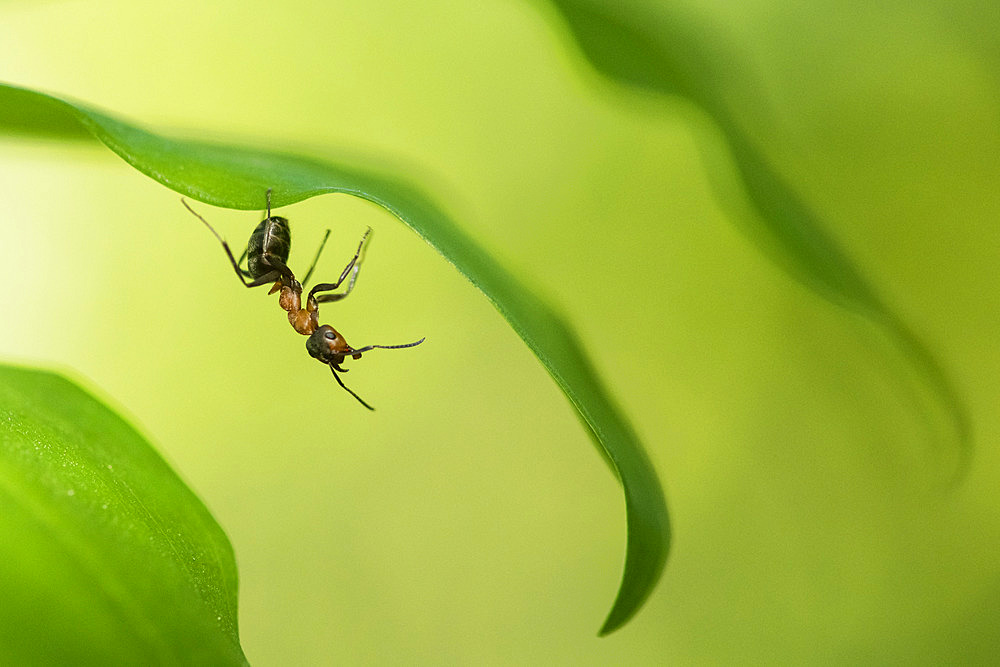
{"x":469,"y":519}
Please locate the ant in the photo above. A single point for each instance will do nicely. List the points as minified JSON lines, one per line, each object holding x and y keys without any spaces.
{"x":267,"y":262}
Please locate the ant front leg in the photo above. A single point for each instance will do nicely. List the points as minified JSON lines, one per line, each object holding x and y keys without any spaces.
{"x":352,"y":269}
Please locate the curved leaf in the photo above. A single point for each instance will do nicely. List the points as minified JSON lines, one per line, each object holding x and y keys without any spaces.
{"x":106,"y":557}
{"x":659,"y":48}
{"x":237,"y":177}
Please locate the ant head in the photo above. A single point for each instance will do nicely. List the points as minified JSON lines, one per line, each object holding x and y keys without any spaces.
{"x":327,"y":345}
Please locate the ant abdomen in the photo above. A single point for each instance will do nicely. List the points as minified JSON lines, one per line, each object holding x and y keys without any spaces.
{"x":266,"y":253}
{"x":271,"y":240}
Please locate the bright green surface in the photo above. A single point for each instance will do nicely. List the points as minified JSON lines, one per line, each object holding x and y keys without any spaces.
{"x":105,"y":556}
{"x":470,"y":522}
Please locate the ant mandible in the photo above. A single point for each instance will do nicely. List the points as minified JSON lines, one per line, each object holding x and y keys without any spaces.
{"x":267,"y":262}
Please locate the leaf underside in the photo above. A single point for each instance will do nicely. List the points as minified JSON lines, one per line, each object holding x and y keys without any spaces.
{"x":237,"y":177}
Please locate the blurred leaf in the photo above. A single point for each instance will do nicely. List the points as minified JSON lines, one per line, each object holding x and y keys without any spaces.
{"x":106,"y":557}
{"x":237,"y":177}
{"x":658,"y":47}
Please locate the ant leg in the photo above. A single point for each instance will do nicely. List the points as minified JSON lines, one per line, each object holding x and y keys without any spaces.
{"x":269,"y":277}
{"x":240,"y":262}
{"x":316,"y":258}
{"x":280,"y":269}
{"x":352,"y":268}
{"x":328,"y":298}
{"x":344,"y":387}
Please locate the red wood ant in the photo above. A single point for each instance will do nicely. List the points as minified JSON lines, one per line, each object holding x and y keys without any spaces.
{"x":267,"y":262}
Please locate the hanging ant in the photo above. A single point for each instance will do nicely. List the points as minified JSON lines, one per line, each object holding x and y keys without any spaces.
{"x":267,"y":262}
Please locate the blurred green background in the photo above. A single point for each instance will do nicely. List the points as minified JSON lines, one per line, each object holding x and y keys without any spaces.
{"x":469,"y":520}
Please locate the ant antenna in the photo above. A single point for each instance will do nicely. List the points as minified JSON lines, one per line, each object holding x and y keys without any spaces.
{"x":385,"y":347}
{"x":269,"y":202}
{"x":345,"y":388}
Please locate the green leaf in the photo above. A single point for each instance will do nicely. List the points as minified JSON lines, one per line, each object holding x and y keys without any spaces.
{"x":237,"y":177}
{"x":661,"y":48}
{"x":106,"y":557}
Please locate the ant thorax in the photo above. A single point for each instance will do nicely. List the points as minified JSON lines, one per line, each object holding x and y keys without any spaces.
{"x":304,"y":320}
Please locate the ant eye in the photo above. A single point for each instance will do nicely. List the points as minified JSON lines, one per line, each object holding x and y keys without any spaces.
{"x":330,"y":335}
